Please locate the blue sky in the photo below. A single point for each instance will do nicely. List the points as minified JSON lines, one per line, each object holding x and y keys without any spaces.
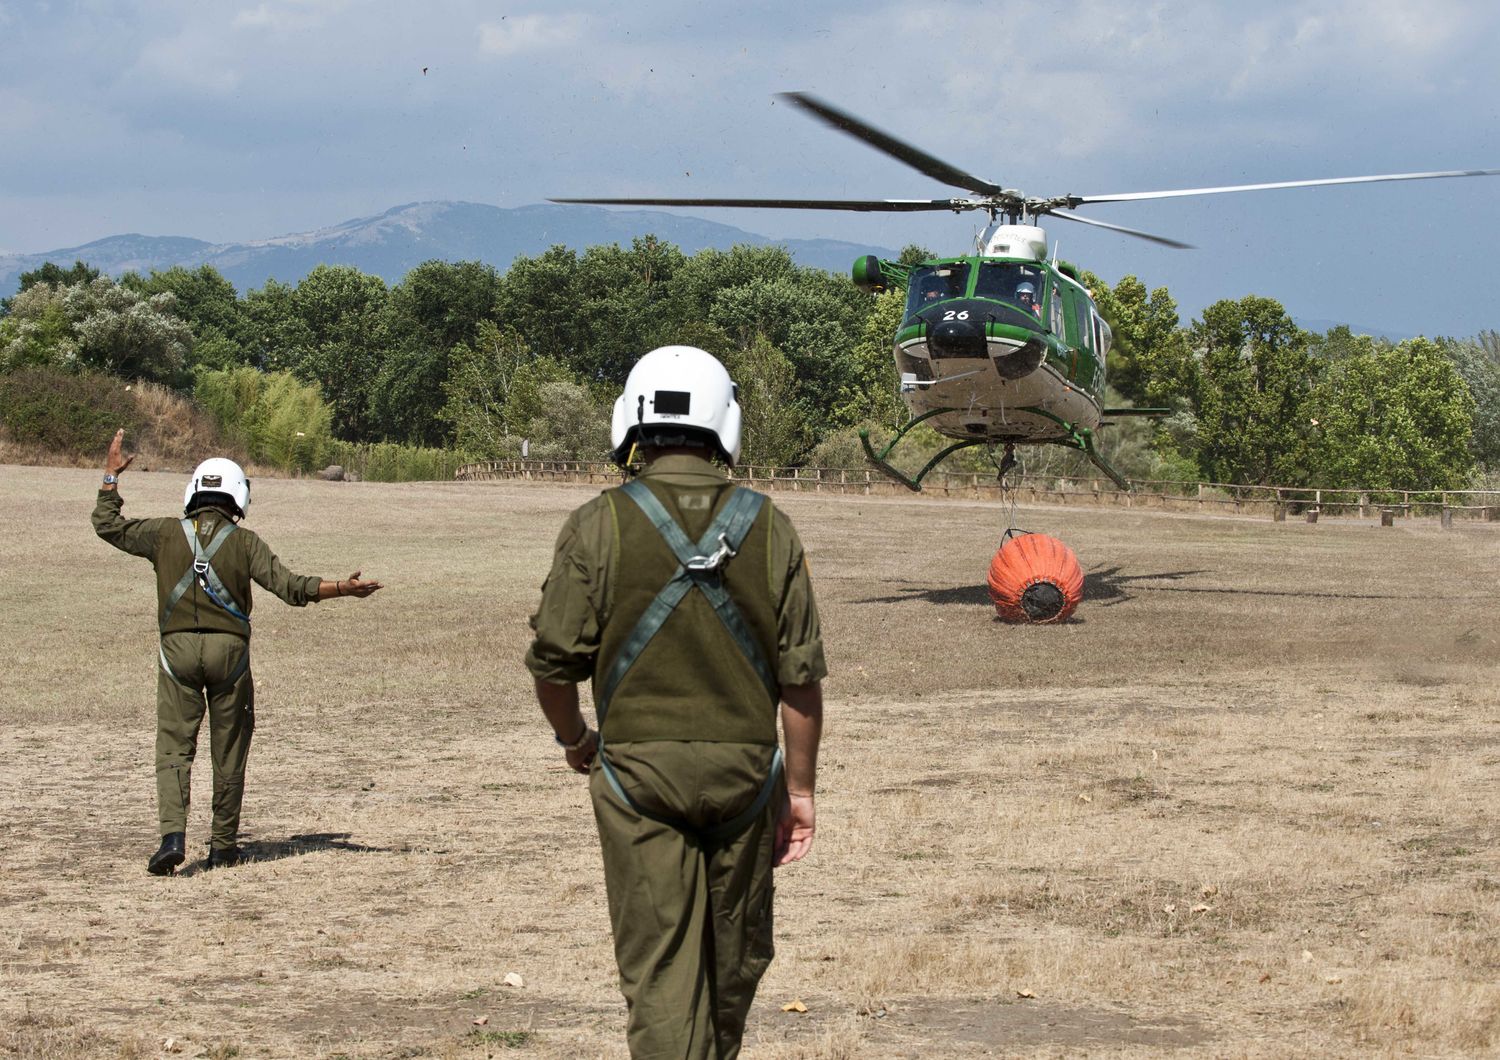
{"x":229,"y":121}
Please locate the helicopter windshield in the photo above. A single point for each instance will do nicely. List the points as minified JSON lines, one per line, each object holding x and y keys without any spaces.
{"x":1008,"y":281}
{"x":935,"y":283}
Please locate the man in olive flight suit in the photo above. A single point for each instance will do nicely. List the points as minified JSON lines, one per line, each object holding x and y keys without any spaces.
{"x":687,"y":602}
{"x":204,"y":566}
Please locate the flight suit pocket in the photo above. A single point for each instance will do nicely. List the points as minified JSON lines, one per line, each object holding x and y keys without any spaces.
{"x":762,"y":934}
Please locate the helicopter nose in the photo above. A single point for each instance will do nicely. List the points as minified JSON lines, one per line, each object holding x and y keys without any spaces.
{"x":956,"y":333}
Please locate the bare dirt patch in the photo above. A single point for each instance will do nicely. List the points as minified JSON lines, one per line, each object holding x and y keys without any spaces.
{"x":1243,"y":805}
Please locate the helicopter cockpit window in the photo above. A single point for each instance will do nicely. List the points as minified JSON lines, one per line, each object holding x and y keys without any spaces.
{"x":935,"y":283}
{"x":1007,"y":281}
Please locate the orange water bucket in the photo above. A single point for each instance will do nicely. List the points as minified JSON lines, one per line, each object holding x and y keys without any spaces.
{"x":1035,"y":578}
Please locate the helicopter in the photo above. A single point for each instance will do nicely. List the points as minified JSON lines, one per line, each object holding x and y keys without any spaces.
{"x":1004,"y":346}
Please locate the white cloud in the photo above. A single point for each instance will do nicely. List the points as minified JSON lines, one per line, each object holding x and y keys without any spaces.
{"x":521,"y":34}
{"x":189,"y":60}
{"x":287,"y":15}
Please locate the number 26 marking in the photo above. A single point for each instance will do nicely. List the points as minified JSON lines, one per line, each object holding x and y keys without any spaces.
{"x":953,"y":314}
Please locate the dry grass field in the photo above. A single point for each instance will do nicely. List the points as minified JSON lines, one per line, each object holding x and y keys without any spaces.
{"x":1246,"y":804}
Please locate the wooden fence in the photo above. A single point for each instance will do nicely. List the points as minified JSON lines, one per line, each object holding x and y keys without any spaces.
{"x":1276,"y":502}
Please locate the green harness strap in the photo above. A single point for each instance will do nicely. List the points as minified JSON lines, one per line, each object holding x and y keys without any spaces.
{"x":214,"y":588}
{"x":697,"y":567}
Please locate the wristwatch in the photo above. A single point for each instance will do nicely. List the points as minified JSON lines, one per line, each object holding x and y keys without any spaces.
{"x":110,"y":480}
{"x":578,"y":745}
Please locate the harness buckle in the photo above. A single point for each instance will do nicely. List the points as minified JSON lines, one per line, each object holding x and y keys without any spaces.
{"x":700,"y":564}
{"x":200,"y":566}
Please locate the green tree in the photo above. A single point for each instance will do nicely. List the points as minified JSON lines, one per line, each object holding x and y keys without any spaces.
{"x":208,"y":303}
{"x":128,"y":334}
{"x":1255,"y":376}
{"x":1478,"y":362}
{"x":38,"y":332}
{"x":538,"y":299}
{"x":1394,"y":419}
{"x":1150,"y":361}
{"x":1340,"y":343}
{"x":52,"y":275}
{"x":435,"y":308}
{"x":626,"y":306}
{"x":913,"y":254}
{"x":774,"y":426}
{"x":600,"y":312}
{"x":493,"y":392}
{"x":570,"y":424}
{"x":811,"y":316}
{"x":272,"y":334}
{"x":98,"y":325}
{"x":869,"y":393}
{"x":344,"y":313}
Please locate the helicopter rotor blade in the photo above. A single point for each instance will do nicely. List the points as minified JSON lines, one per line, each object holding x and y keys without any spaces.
{"x":1163,"y":240}
{"x":900,"y":150}
{"x":1077,"y":200}
{"x":861,"y":205}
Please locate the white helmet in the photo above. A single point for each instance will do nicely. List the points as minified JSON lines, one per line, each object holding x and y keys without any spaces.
{"x":220,"y":476}
{"x":677,"y":387}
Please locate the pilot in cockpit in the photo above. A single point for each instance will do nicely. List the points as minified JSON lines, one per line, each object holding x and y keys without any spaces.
{"x":1026,"y":296}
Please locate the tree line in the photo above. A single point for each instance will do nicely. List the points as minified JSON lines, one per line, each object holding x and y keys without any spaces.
{"x":462,"y":357}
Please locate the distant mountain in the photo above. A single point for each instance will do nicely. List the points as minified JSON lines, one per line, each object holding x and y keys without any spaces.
{"x":390,"y":244}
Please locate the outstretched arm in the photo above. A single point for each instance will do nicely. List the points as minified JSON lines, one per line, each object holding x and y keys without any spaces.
{"x":353,"y":585}
{"x":802,"y":723}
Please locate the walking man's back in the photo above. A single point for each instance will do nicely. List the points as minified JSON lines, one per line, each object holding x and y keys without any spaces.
{"x":685,"y":599}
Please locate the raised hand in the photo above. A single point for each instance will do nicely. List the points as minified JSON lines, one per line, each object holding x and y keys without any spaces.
{"x":115,"y":462}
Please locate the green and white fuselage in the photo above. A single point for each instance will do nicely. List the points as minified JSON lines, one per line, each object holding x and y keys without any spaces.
{"x":1004,"y":347}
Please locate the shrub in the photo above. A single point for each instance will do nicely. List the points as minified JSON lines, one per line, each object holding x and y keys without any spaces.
{"x":290,"y":426}
{"x":389,"y":462}
{"x":66,"y":413}
{"x":276,"y":418}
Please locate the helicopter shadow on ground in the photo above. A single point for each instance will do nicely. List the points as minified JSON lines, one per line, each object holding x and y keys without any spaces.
{"x":291,"y":847}
{"x":1106,"y":586}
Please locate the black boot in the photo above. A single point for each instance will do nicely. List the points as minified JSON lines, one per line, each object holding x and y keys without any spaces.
{"x":222,"y":857}
{"x":169,"y":856}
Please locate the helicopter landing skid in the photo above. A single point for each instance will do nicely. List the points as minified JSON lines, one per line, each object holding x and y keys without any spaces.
{"x":1082,"y":439}
{"x":911,"y":482}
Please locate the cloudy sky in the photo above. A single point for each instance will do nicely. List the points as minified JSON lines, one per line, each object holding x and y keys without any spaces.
{"x":232,"y":121}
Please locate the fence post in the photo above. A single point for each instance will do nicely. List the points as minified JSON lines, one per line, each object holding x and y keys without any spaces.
{"x":1312,"y":515}
{"x":1364,"y":505}
{"x":1445,"y":517}
{"x":1387,"y":517}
